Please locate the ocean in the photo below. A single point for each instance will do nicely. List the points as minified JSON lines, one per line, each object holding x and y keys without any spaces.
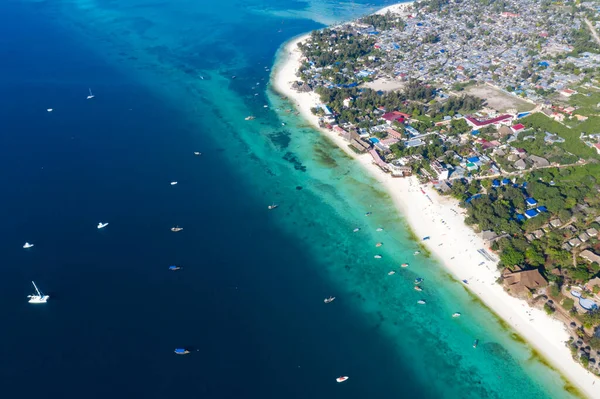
{"x":248,"y":302}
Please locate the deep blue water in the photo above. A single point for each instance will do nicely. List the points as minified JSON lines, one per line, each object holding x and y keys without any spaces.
{"x":248,"y":301}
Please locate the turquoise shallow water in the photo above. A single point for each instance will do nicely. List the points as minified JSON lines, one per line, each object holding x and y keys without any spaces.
{"x":250,"y":297}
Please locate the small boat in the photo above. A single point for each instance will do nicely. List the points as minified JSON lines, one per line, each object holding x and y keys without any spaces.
{"x":417,"y":288}
{"x":273,"y":206}
{"x":49,"y":110}
{"x":342,"y":378}
{"x":377,"y":256}
{"x":456,"y":314}
{"x":418,"y":280}
{"x":181,"y":351}
{"x":90,"y":96}
{"x":391,"y":273}
{"x":421,"y":302}
{"x":379,"y":229}
{"x":416,"y":252}
{"x":197,"y":153}
{"x":176,"y":229}
{"x":404,"y":265}
{"x":174,"y":268}
{"x":379,"y":244}
{"x":465,"y":281}
{"x":329,"y":300}
{"x":356,"y":229}
{"x":38,"y":297}
{"x":102,"y":225}
{"x":282,"y":124}
{"x":368,"y":213}
{"x":233,"y":77}
{"x":173,"y":183}
{"x":27,"y":245}
{"x":426,"y":238}
{"x":249,"y":118}
{"x":475,"y":343}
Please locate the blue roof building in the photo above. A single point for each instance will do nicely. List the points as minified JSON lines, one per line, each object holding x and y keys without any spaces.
{"x":545,"y":64}
{"x":473,"y":159}
{"x":542,"y":209}
{"x":531,"y":213}
{"x":495,"y":183}
{"x":520,"y":217}
{"x":505,"y":181}
{"x":531,"y":201}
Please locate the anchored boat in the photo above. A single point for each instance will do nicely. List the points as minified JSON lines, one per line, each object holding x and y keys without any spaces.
{"x":38,"y":297}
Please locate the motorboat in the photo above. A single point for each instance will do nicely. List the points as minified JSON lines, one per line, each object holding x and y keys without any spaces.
{"x":176,"y":229}
{"x":356,"y":229}
{"x":475,"y":343}
{"x":174,"y":268}
{"x":273,"y":206}
{"x":465,"y":281}
{"x":329,"y":300}
{"x":181,"y":351}
{"x":342,"y":378}
{"x":27,"y":245}
{"x":379,"y":244}
{"x":418,"y":280}
{"x":377,"y":256}
{"x":197,"y":153}
{"x":38,"y":297}
{"x":404,"y":265}
{"x":49,"y":110}
{"x":90,"y":96}
{"x":417,"y":288}
{"x":456,"y":314}
{"x":379,"y":229}
{"x":416,"y":252}
{"x":368,"y":213}
{"x":426,"y":238}
{"x":391,"y":273}
{"x":249,"y":118}
{"x":421,"y":302}
{"x":173,"y":183}
{"x":102,"y":225}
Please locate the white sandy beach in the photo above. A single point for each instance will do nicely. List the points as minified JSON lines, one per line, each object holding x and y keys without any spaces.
{"x":453,"y":243}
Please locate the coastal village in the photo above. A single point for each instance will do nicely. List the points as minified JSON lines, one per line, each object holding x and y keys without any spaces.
{"x":496,"y":104}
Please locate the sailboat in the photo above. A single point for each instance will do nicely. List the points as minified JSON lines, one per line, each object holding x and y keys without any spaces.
{"x":102,"y":225}
{"x":27,"y":245}
{"x":91,"y":95}
{"x":38,"y":297}
{"x":272,"y":206}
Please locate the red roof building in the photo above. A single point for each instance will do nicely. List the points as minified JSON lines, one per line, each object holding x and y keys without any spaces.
{"x":499,"y":120}
{"x":517,"y":128}
{"x":395,"y":116}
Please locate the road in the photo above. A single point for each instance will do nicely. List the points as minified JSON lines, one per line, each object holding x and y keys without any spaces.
{"x":520,"y":172}
{"x":593,"y":30}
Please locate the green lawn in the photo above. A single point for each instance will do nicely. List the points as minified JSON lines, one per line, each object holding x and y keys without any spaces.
{"x":586,"y":105}
{"x":572,"y":142}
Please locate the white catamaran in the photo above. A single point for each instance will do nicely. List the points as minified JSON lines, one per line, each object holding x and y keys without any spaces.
{"x":38,"y":297}
{"x":91,"y":95}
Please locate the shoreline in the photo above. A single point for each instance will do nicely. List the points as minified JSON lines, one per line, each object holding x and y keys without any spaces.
{"x":453,"y":244}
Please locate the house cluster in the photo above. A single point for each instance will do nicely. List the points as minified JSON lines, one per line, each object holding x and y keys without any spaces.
{"x":513,"y":50}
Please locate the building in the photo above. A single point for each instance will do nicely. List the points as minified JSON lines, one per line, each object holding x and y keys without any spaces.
{"x":521,"y":283}
{"x":531,"y":202}
{"x":590,"y":256}
{"x":538,"y":162}
{"x":517,"y":128}
{"x":531,"y":213}
{"x":395,"y":116}
{"x":441,"y":171}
